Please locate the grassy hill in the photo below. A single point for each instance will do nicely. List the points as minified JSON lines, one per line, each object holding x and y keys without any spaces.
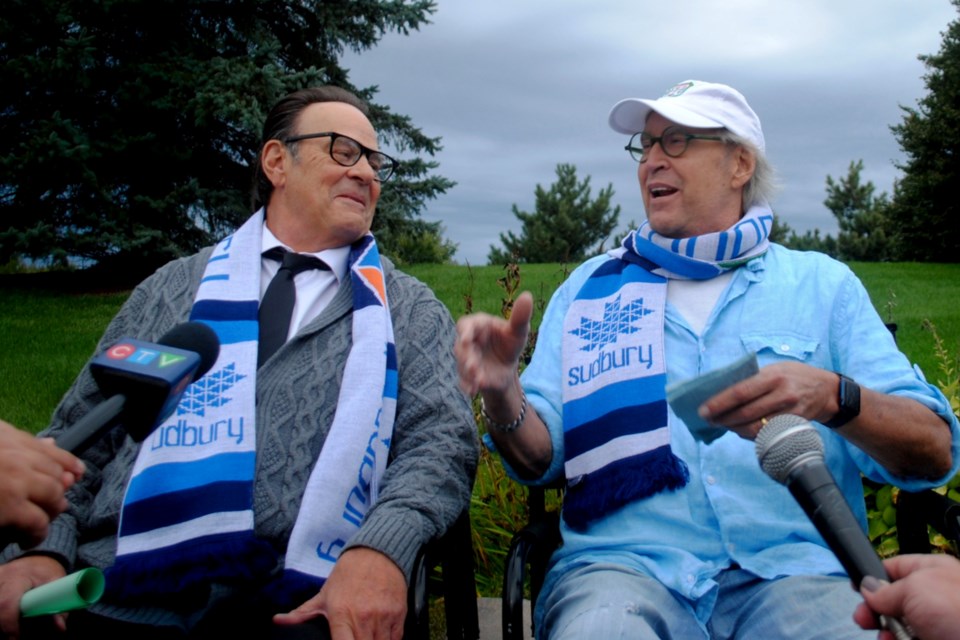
{"x":49,"y":327}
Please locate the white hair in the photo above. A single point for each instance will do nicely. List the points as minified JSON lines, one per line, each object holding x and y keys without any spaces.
{"x":762,"y":185}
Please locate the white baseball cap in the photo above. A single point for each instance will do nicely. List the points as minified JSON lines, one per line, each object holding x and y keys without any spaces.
{"x":693,"y":103}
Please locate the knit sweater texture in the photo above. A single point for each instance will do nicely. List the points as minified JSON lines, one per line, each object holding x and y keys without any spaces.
{"x":433,"y":455}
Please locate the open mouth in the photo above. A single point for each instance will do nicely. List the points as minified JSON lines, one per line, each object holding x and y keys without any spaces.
{"x":659,"y":192}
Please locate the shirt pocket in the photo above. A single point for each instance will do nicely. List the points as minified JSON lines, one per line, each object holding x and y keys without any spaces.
{"x":780,"y":346}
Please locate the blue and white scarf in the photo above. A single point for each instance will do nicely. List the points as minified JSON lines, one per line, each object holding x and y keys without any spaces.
{"x":187,"y":517}
{"x":616,"y":435}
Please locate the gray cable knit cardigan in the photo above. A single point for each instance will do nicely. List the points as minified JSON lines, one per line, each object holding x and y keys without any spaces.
{"x":433,"y":455}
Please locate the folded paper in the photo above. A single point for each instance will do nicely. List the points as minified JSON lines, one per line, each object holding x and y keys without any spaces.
{"x":686,"y":396}
{"x":75,"y":591}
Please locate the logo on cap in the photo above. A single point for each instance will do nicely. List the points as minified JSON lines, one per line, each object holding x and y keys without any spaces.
{"x":678,"y":90}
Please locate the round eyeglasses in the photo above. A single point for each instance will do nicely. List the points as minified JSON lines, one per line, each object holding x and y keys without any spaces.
{"x":673,"y":141}
{"x":346,"y":152}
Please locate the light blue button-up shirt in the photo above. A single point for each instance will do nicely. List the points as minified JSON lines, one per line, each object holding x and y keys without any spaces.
{"x":784,"y":306}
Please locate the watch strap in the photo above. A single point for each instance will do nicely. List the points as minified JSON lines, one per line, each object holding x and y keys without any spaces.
{"x":848,"y":399}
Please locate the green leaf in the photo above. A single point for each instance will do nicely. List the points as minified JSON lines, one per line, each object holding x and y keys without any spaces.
{"x":884,"y":497}
{"x":876,"y":527}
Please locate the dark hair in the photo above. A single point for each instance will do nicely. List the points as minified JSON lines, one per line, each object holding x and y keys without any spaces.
{"x":281,"y":123}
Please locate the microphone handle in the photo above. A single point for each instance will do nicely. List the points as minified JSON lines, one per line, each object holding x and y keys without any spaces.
{"x":818,"y":494}
{"x":92,"y":426}
{"x":900,"y":630}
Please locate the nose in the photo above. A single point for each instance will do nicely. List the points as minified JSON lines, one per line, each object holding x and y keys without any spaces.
{"x":653,"y":160}
{"x":655,"y":151}
{"x":363,"y":170}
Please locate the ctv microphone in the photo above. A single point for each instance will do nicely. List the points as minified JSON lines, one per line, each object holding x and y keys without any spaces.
{"x":143,"y":382}
{"x":791,"y":452}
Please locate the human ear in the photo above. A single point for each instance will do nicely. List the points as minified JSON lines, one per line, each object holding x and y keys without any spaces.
{"x":273,"y":162}
{"x":744,"y":164}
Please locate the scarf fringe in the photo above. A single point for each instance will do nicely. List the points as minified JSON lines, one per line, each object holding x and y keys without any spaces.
{"x":622,"y":482}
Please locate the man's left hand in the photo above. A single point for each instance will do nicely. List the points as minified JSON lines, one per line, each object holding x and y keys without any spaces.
{"x":783,"y":387}
{"x":365,"y":597}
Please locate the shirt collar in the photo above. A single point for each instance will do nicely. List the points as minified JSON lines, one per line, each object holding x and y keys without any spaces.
{"x":337,"y":258}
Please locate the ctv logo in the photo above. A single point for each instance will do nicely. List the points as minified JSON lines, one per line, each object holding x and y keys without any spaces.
{"x":142,"y":356}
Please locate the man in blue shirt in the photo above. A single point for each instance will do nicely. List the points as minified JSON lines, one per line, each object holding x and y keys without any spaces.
{"x":668,"y":534}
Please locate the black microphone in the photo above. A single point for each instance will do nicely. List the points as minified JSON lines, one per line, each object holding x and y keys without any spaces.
{"x":791,"y":452}
{"x":143,"y":383}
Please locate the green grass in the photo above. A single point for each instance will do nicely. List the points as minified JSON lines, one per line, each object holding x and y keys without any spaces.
{"x":911,"y":294}
{"x":465,"y":289}
{"x":46,"y":338}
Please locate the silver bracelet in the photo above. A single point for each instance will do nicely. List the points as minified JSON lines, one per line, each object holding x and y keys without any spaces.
{"x":505,"y":428}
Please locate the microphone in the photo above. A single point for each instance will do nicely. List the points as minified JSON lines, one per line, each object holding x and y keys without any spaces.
{"x":143,"y":383}
{"x":791,"y":452}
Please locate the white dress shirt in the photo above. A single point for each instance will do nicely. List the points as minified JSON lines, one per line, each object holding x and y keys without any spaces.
{"x":315,"y":287}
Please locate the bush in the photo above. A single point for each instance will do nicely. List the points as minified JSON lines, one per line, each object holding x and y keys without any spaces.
{"x":881,"y":500}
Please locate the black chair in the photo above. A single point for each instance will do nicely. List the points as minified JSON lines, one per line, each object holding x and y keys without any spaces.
{"x":453,"y":553}
{"x":527,"y":558}
{"x":917,"y":511}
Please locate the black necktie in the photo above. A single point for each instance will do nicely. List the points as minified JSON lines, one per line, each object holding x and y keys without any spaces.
{"x":277,"y":304}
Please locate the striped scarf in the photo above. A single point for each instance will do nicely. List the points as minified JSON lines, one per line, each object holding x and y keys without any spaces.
{"x":616,"y":434}
{"x":187,"y":518}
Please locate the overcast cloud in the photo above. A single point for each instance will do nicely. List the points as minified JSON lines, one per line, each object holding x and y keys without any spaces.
{"x":514,"y":87}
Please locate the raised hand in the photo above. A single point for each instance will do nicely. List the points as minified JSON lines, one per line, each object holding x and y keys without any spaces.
{"x":488,"y":348}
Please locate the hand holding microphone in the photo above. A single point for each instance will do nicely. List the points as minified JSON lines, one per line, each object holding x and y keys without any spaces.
{"x":791,"y":452}
{"x":143,"y":382}
{"x":925,"y":593}
{"x":34,"y":474}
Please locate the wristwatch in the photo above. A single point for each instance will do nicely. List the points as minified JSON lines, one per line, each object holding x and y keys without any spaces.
{"x":848,"y":397}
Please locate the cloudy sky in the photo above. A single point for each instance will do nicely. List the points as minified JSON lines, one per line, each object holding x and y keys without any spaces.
{"x":515,"y":87}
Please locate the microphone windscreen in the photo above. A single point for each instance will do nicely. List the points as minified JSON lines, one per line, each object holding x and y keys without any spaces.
{"x":785,"y":441}
{"x":197,"y":337}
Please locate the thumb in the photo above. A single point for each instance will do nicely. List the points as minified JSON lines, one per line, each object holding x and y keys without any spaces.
{"x":882,"y":596}
{"x":521,"y":314}
{"x":307,"y":611}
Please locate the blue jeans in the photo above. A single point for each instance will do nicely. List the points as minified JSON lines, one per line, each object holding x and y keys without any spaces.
{"x":609,"y":601}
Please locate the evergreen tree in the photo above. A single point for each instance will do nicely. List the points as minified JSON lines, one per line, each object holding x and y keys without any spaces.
{"x":783,"y":233}
{"x":925,"y":209}
{"x":811,"y":241}
{"x":780,"y":230}
{"x":565,"y":224}
{"x":861,"y":216}
{"x":129,"y":127}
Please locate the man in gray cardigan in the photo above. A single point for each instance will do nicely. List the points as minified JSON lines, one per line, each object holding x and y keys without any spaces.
{"x":319,"y":176}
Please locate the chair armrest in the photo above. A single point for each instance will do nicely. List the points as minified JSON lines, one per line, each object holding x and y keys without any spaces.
{"x":533,"y":545}
{"x":454,"y":553}
{"x":917,"y":510}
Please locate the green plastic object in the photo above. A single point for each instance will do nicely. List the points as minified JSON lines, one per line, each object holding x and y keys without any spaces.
{"x":75,"y":591}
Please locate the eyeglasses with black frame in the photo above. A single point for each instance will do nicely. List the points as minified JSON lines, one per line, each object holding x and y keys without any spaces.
{"x":346,"y":152}
{"x":673,"y":141}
